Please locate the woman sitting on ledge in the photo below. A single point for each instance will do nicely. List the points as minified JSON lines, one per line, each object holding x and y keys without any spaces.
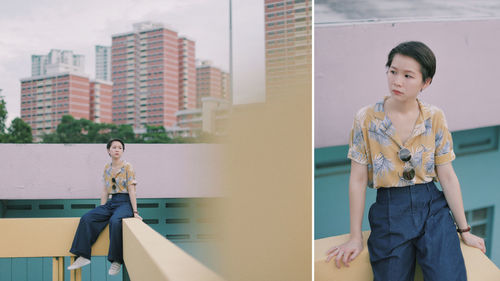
{"x":400,"y":146}
{"x":119,"y":181}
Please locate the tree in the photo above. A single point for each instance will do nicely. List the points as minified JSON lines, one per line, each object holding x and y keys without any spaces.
{"x":155,"y":134}
{"x":71,"y":130}
{"x":3,"y":118}
{"x":124,"y":132}
{"x":19,"y":132}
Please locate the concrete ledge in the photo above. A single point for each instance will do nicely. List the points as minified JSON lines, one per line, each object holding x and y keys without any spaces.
{"x":150,"y":256}
{"x":479,"y":267}
{"x":43,"y":237}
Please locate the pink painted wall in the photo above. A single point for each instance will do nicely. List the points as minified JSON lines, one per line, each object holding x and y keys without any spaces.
{"x":58,"y":171}
{"x":350,"y":72}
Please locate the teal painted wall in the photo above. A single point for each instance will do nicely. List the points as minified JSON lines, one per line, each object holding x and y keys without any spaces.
{"x":189,"y":223}
{"x":477,"y":167}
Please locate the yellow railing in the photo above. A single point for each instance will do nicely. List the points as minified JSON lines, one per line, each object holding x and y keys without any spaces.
{"x":150,"y":256}
{"x":147,"y":254}
{"x":479,"y":267}
{"x":45,"y":237}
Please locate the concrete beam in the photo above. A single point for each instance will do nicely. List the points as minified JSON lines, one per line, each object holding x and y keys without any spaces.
{"x":478,"y":266}
{"x":43,"y":237}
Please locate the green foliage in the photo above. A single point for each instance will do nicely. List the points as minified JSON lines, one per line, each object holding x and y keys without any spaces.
{"x":72,"y":130}
{"x":155,"y":134}
{"x":3,"y":116}
{"x":19,"y":132}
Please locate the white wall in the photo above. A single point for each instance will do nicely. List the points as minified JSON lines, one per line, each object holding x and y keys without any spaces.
{"x":350,"y":72}
{"x":58,"y":171}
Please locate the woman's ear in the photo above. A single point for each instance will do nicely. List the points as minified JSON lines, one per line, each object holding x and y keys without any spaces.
{"x":427,"y":82}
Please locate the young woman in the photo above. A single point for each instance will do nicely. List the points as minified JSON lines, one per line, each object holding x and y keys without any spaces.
{"x":119,"y":181}
{"x":401,"y":146}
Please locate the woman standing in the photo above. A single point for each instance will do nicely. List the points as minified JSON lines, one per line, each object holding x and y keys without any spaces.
{"x":401,"y":146}
{"x":119,"y":181}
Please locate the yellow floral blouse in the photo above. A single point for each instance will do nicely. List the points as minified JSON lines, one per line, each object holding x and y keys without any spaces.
{"x":374,"y":143}
{"x":123,"y":178}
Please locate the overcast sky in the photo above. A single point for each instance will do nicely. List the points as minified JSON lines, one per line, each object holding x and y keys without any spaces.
{"x":30,"y":27}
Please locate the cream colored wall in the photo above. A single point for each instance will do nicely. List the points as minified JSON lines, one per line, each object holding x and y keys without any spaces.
{"x":43,"y":237}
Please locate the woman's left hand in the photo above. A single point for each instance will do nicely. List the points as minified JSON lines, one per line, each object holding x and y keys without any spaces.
{"x":474,"y":241}
{"x":136,"y":215}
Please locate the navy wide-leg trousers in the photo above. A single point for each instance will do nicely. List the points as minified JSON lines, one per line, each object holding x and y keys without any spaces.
{"x":414,"y":223}
{"x":94,"y":221}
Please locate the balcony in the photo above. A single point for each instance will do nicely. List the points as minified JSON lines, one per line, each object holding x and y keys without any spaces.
{"x":147,"y":255}
{"x":174,"y":242}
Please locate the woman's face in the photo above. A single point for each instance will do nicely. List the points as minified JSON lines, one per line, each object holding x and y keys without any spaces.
{"x":116,"y":150}
{"x":405,"y":79}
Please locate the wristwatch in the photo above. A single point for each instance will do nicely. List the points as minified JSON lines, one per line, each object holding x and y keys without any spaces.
{"x":463,"y":230}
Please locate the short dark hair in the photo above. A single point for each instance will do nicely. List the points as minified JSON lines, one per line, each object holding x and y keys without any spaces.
{"x":108,"y":145}
{"x":419,"y":52}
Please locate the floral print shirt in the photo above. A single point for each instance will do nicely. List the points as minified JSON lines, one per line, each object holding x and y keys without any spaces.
{"x":374,"y":143}
{"x":123,"y":178}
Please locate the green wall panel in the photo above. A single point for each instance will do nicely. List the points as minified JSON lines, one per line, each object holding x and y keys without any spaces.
{"x":20,"y":269}
{"x":34,"y":268}
{"x":5,"y":269}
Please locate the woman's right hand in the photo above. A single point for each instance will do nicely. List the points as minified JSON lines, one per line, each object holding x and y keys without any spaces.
{"x":346,"y":252}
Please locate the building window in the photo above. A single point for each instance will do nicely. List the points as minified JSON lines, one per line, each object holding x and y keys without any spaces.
{"x":481,"y":221}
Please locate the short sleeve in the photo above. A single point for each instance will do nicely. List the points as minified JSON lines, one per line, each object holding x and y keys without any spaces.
{"x":131,"y":175}
{"x":443,"y":141}
{"x":357,"y":144}
{"x":104,"y":175}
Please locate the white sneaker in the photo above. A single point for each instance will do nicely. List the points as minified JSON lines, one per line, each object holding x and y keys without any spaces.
{"x":114,"y":268}
{"x":79,"y":262}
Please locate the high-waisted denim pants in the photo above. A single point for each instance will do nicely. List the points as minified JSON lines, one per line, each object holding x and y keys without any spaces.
{"x":94,"y":221}
{"x":414,"y":223}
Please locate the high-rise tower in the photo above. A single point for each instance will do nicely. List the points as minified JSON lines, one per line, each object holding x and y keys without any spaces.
{"x":103,"y":63}
{"x":288,"y":26}
{"x":145,"y":75}
{"x":57,"y":61}
{"x":187,"y":74}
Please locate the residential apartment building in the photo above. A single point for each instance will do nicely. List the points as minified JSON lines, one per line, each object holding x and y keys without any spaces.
{"x":226,"y":85}
{"x":288,"y":27}
{"x":101,"y":93}
{"x":57,"y":61}
{"x":45,"y":99}
{"x":187,"y":74}
{"x":211,"y":81}
{"x":145,"y":75}
{"x":103,"y":63}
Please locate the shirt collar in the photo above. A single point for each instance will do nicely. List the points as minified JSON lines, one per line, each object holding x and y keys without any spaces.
{"x":109,"y":167}
{"x":421,"y":126}
{"x":425,"y":112}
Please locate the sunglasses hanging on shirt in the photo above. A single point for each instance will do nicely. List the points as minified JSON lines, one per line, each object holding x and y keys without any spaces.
{"x":405,"y":156}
